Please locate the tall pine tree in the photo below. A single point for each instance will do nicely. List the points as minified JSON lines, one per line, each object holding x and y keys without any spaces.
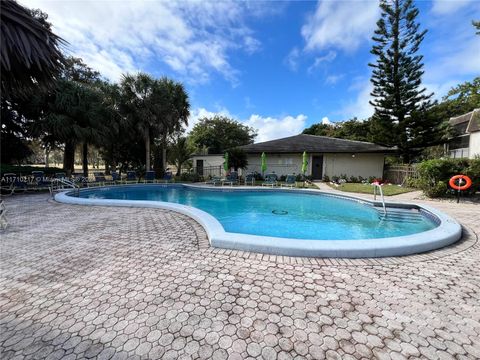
{"x":400,"y":101}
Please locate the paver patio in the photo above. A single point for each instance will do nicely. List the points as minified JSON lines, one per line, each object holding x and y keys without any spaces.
{"x":82,"y":282}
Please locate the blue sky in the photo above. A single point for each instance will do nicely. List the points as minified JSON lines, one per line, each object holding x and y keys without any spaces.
{"x":276,"y":66}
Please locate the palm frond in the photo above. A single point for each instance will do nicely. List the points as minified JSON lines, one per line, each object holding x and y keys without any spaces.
{"x":31,"y":56}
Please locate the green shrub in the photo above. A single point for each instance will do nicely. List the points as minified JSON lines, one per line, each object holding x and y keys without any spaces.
{"x":23,"y":170}
{"x":412,"y":182}
{"x":189,"y":177}
{"x":353,"y":179}
{"x":435,"y":174}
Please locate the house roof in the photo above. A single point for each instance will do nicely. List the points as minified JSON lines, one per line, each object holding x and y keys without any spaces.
{"x":472,"y":118}
{"x":315,"y":144}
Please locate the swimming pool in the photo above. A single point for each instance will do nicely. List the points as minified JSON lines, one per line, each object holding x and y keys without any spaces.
{"x":289,"y":222}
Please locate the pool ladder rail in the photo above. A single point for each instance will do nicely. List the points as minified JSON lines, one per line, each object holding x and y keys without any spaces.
{"x":62,"y":184}
{"x":375,"y":186}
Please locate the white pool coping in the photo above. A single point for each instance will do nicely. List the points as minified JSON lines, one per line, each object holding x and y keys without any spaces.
{"x":447,"y":232}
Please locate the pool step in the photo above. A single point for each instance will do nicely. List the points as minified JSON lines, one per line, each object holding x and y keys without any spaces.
{"x":401,"y":215}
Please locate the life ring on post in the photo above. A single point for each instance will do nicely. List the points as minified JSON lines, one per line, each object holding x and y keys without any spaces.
{"x":465,"y":178}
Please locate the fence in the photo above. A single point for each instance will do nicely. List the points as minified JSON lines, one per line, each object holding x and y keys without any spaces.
{"x":398,"y":174}
{"x":206,"y":171}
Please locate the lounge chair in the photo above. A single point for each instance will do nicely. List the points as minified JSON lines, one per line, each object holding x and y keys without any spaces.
{"x":215,"y":180}
{"x":149,"y":177}
{"x":116,"y":178}
{"x":100,"y":179}
{"x":40,"y":182}
{"x":12,"y":184}
{"x":168,"y":177}
{"x":250,"y":179}
{"x":231,"y":179}
{"x":131,"y":177}
{"x":270,"y":180}
{"x":290,"y":181}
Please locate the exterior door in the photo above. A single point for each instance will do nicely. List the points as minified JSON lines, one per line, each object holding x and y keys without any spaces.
{"x":317,"y":167}
{"x":199,"y":167}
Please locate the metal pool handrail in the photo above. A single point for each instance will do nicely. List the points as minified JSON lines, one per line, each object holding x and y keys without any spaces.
{"x":375,"y":186}
{"x":62,"y":183}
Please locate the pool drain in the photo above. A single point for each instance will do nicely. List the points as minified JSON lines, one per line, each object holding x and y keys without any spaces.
{"x":279,"y":212}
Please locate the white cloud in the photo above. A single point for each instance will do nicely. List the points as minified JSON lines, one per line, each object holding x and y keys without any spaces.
{"x":292,"y":59}
{"x":444,"y":7}
{"x":333,"y":79}
{"x":329,"y":57}
{"x":456,"y":61}
{"x":340,"y":24}
{"x":191,"y":38}
{"x":268,"y":128}
{"x":360,"y":106}
{"x":326,"y":121}
{"x":453,"y":54}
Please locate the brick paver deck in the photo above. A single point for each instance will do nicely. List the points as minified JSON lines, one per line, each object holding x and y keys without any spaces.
{"x":84,"y":282}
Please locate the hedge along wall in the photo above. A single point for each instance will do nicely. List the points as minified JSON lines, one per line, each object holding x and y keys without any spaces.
{"x":435,"y":174}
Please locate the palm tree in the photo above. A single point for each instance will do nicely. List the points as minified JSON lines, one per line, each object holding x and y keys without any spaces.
{"x":176,"y":111}
{"x":30,"y":56}
{"x":156,"y":107}
{"x":180,"y":151}
{"x":139,"y":107}
{"x":74,"y":116}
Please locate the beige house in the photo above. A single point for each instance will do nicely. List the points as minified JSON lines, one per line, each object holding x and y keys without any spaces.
{"x":327,"y":156}
{"x":466,"y":144}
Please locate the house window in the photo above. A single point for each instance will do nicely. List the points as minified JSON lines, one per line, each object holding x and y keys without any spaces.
{"x":459,"y":142}
{"x":285,"y":161}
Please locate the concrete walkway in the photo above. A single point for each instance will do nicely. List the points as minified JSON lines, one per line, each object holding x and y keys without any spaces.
{"x":97,"y":282}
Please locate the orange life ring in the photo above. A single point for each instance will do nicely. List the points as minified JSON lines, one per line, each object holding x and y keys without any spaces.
{"x":453,"y":185}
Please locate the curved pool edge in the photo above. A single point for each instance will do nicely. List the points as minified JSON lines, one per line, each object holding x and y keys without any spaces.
{"x":448,"y":232}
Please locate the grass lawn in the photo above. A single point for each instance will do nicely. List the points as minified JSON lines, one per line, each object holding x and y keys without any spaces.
{"x":388,"y":190}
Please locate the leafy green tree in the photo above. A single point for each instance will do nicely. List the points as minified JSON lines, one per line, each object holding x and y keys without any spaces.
{"x":460,"y":100}
{"x":400,"y":101}
{"x":220,"y":133}
{"x":352,"y":129}
{"x":466,"y":95}
{"x":237,"y":158}
{"x":320,"y":130}
{"x":14,"y":135}
{"x":179,"y":152}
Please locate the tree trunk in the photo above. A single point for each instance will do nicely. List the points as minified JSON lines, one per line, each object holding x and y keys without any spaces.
{"x":164,"y":152}
{"x":85,"y":159}
{"x":179,"y":168}
{"x":147,"y":149}
{"x":47,"y":155}
{"x":69,"y":158}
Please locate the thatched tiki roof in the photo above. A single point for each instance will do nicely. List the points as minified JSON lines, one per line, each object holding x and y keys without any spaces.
{"x":30,"y":52}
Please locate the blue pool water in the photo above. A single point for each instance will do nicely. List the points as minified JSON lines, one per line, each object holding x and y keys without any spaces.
{"x":287,"y":214}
